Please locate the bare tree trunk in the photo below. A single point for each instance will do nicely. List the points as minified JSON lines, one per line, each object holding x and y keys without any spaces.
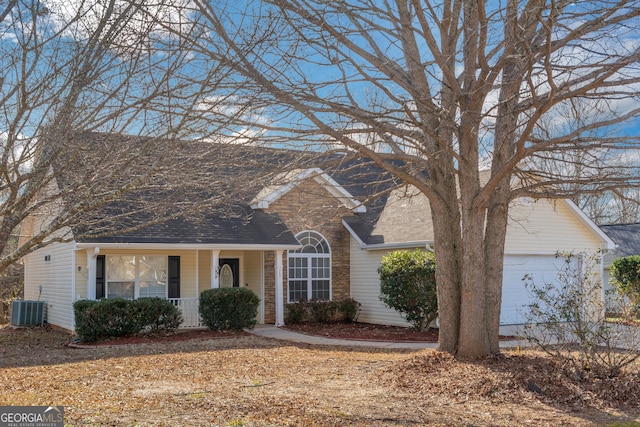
{"x":496,"y":231}
{"x":447,"y":238}
{"x":473,"y":327}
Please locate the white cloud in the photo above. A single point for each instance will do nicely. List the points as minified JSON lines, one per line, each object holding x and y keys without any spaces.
{"x":136,"y":22}
{"x":20,"y":152}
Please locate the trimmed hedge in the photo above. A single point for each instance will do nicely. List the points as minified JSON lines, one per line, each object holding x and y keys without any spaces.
{"x":229,"y":309}
{"x":316,"y":311}
{"x":349,"y":309}
{"x":408,"y":285}
{"x":157,"y":314}
{"x":117,"y":317}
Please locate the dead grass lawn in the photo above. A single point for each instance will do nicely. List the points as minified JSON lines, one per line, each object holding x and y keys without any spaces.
{"x":252,"y":381}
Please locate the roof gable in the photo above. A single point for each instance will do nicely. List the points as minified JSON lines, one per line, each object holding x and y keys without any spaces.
{"x":404,"y":220}
{"x":290,"y":180}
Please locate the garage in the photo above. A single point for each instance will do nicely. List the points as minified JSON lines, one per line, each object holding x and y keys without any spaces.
{"x":515,"y":296}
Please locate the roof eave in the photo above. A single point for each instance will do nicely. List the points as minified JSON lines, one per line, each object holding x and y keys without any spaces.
{"x":188,"y":246}
{"x":386,"y":246}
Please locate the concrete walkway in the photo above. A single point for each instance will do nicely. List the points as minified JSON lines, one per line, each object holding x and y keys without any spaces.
{"x":270,"y":331}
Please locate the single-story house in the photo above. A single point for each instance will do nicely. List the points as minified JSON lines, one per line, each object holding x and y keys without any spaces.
{"x":314,"y":232}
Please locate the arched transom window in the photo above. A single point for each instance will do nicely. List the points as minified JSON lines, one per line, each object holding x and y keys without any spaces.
{"x":310,"y":268}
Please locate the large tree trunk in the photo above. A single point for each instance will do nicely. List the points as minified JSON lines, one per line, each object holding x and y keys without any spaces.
{"x":470,"y":292}
{"x":474,"y":339}
{"x":447,"y":236}
{"x":445,"y":215}
{"x":496,"y":231}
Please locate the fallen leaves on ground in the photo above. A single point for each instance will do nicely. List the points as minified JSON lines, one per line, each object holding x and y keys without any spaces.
{"x":512,"y":378}
{"x":254,"y":381}
{"x":369,"y":332}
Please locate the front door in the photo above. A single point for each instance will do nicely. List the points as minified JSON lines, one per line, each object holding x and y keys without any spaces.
{"x":229,"y":272}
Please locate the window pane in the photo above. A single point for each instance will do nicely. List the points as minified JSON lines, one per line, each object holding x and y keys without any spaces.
{"x":121,"y":276}
{"x":312,"y":243}
{"x":120,"y":290}
{"x":121,"y":268}
{"x":153,"y":268}
{"x":320,"y":268}
{"x":153,"y":289}
{"x":297,"y":290}
{"x":297,"y":268}
{"x":153,"y":276}
{"x":320,"y":289}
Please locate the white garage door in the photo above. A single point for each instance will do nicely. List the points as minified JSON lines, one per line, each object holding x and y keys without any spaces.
{"x":542,"y":268}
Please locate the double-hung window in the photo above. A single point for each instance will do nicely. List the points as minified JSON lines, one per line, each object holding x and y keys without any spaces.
{"x":136,"y":276}
{"x":309,"y":268}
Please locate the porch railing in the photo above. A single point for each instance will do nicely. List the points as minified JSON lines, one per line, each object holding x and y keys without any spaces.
{"x":190,"y":313}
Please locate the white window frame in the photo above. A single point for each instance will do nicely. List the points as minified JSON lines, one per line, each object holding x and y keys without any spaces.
{"x":136,"y":285}
{"x":309,"y":256}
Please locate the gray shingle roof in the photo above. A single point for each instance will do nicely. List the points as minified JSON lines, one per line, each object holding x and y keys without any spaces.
{"x":401,"y":217}
{"x":258,"y":228}
{"x":239,"y":172}
{"x":626,"y":237}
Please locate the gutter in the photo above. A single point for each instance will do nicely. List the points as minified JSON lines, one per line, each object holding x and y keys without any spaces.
{"x":187,"y":246}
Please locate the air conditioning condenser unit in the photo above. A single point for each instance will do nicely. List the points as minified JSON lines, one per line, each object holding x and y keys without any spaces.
{"x":27,"y":313}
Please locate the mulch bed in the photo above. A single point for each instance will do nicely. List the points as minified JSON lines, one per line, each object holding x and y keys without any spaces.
{"x":351,"y":331}
{"x":370,"y":332}
{"x":365,"y":331}
{"x":172,"y":337}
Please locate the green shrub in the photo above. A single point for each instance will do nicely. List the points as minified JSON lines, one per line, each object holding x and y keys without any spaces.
{"x":349,"y":309}
{"x":157,"y":314}
{"x":87,"y":326}
{"x":231,"y":309}
{"x":116,"y":317}
{"x":625,"y":273}
{"x":320,"y":311}
{"x":408,"y":285}
{"x":296,"y":313}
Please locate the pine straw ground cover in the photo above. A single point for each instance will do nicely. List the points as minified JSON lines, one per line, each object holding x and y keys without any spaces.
{"x":252,"y":381}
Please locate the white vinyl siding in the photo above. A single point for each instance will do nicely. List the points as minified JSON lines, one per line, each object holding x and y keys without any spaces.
{"x":545,"y":227}
{"x":536,"y":231}
{"x":365,"y":287}
{"x":55,"y":276}
{"x":82,"y":275}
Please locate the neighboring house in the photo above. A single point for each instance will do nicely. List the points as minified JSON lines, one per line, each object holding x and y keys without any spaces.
{"x":627,"y":240}
{"x":308,"y":233}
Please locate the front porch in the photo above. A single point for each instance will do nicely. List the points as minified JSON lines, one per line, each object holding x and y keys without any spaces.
{"x":180,"y":274}
{"x":190,"y":312}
